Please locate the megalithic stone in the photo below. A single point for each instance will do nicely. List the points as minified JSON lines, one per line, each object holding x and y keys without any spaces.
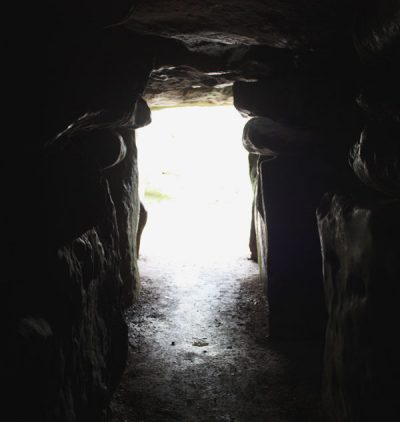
{"x":288,"y":192}
{"x":290,"y":171}
{"x":375,"y":158}
{"x":361,"y":267}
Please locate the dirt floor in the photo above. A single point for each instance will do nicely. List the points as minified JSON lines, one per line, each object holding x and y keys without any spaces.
{"x":199,"y":350}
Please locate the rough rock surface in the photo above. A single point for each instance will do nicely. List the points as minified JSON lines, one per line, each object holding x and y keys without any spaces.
{"x":359,"y":235}
{"x":376,"y":158}
{"x":296,"y":166}
{"x":277,"y":23}
{"x":123,"y":181}
{"x":260,"y":220}
{"x":376,"y":36}
{"x":178,"y":85}
{"x":295,"y":100}
{"x":265,"y":137}
{"x":185,"y":74}
{"x":360,"y":245}
{"x":253,"y":173}
{"x":141,"y":225}
{"x":65,"y":334}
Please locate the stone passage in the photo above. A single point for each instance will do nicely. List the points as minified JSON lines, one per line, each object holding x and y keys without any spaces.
{"x":319,"y":80}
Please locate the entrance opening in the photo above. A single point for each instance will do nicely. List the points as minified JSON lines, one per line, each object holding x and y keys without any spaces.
{"x":194,"y":184}
{"x":198,"y":334}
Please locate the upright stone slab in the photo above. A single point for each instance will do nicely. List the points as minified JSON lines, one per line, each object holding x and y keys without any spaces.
{"x":361,"y":250}
{"x":65,"y":337}
{"x":289,"y":190}
{"x":253,"y":173}
{"x":123,"y":180}
{"x":289,"y":177}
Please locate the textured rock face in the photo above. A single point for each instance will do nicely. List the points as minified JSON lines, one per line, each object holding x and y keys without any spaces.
{"x":361,"y":278}
{"x":253,"y":173}
{"x":124,"y":184}
{"x":277,"y":23}
{"x":66,"y":336}
{"x":295,"y":100}
{"x":266,"y":137}
{"x":74,"y":217}
{"x":176,"y":85}
{"x":359,"y":236}
{"x":376,"y":158}
{"x":213,"y":45}
{"x":376,"y":37}
{"x":260,"y":220}
{"x":124,"y":190}
{"x":141,"y":225}
{"x":297,"y":165}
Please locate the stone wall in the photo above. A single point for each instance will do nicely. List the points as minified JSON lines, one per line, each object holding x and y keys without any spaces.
{"x":73,"y":217}
{"x":360,"y":231}
{"x":297,"y":113}
{"x":361,"y":272}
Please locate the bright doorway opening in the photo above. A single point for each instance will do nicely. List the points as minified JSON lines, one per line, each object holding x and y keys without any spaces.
{"x":194,"y":183}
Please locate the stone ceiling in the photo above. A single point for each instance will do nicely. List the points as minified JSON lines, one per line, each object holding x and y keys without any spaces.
{"x":277,"y":23}
{"x":213,"y":43}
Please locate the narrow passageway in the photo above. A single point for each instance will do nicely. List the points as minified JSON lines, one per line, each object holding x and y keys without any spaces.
{"x":198,"y":336}
{"x":200,"y":352}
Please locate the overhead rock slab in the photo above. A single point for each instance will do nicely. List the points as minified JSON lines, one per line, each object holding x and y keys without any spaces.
{"x":265,"y":137}
{"x":183,"y":85}
{"x":206,"y":72}
{"x":293,"y":100}
{"x":276,"y":23}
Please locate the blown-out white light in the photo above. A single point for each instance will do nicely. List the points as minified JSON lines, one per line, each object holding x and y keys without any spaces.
{"x":194,"y":183}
